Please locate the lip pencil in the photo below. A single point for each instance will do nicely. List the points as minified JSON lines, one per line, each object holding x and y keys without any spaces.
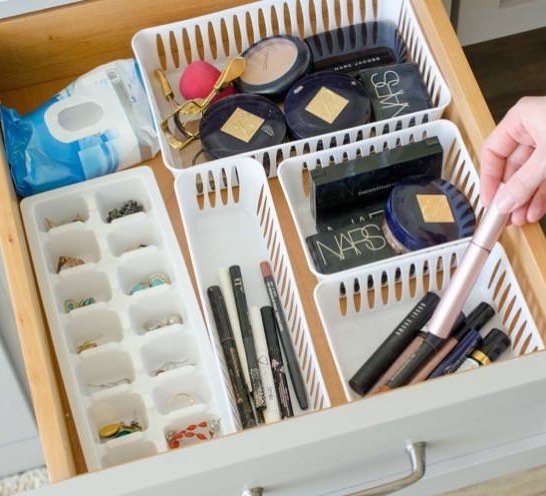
{"x":284,"y":335}
{"x":225,"y":333}
{"x":248,"y":338}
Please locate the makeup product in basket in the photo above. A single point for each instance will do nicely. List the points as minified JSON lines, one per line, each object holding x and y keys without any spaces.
{"x":422,"y":213}
{"x":350,"y":246}
{"x":277,"y":365}
{"x":476,"y":319}
{"x":325,"y":102}
{"x":225,"y":334}
{"x":358,"y":46}
{"x":273,"y":64}
{"x":240,"y":124}
{"x":398,"y":373}
{"x":271,"y":412}
{"x":394,"y":344}
{"x":395,"y":90}
{"x":458,"y":355}
{"x":495,"y":343}
{"x":239,"y":293}
{"x":460,"y":285}
{"x":284,"y":336}
{"x":229,"y":299}
{"x":370,"y":179}
{"x":198,"y":79}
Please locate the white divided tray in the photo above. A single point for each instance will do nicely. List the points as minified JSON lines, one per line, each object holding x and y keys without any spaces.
{"x":113,"y":265}
{"x":222,"y":35}
{"x":230,"y":219}
{"x":357,"y":322}
{"x":457,"y":168}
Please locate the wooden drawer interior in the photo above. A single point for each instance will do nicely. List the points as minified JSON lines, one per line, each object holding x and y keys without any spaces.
{"x":41,"y":53}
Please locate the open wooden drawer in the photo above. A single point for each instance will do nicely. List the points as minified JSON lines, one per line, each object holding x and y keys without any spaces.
{"x":474,"y":430}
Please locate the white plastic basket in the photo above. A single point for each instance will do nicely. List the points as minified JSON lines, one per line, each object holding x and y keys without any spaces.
{"x":457,"y":168}
{"x":217,"y":37}
{"x":230,"y":219}
{"x":114,"y":263}
{"x":357,"y":322}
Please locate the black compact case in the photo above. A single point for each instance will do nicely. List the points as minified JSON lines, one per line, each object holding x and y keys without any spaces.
{"x":365,"y":181}
{"x":395,"y":90}
{"x":352,"y":48}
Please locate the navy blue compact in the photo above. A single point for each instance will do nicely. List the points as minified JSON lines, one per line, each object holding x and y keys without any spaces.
{"x":325,"y":102}
{"x":240,"y":124}
{"x":424,"y":213}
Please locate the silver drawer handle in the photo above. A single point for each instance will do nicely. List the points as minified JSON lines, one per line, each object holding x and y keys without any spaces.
{"x":416,"y":453}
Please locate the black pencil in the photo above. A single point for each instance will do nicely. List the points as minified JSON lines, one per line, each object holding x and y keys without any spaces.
{"x":248,"y":338}
{"x":225,"y":333}
{"x":275,"y":357}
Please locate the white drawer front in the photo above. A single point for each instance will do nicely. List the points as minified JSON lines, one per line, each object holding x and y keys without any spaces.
{"x":340,"y":450}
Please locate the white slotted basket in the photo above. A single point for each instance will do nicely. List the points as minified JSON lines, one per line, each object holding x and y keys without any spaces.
{"x":114,"y":262}
{"x":356,"y":322}
{"x":217,"y":37}
{"x":457,"y":168}
{"x":230,"y":219}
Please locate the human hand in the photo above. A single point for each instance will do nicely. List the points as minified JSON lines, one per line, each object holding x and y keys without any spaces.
{"x":515,"y":153}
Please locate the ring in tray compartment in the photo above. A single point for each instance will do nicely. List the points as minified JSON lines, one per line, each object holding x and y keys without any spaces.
{"x":96,"y":328}
{"x":105,"y":370}
{"x":61,"y":211}
{"x":159,"y":311}
{"x":352,"y":236}
{"x":80,"y":290}
{"x":180,"y":391}
{"x":145,"y":272}
{"x":194,"y":429}
{"x":114,"y":196}
{"x":357,"y":321}
{"x":169,"y":352}
{"x":80,"y":245}
{"x":129,"y":240}
{"x":162,"y":48}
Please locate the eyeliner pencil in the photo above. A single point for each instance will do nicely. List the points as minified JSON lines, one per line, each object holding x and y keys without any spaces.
{"x":284,"y":334}
{"x":225,"y":333}
{"x":277,"y":367}
{"x":248,"y":338}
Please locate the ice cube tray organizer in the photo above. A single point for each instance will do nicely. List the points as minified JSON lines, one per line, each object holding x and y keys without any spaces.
{"x":118,"y":380}
{"x":218,"y":36}
{"x":357,"y":321}
{"x":230,"y":219}
{"x":457,"y":168}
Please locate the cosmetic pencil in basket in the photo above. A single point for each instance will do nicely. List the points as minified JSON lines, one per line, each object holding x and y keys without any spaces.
{"x":248,"y":339}
{"x":284,"y":335}
{"x":225,"y":334}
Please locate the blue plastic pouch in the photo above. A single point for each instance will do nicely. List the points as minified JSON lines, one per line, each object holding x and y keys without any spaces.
{"x":99,"y":124}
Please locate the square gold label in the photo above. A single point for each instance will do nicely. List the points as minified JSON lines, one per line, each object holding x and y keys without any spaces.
{"x":435,"y":208}
{"x":326,"y":105}
{"x":242,"y":125}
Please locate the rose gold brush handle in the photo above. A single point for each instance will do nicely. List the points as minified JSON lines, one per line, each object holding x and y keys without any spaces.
{"x":466,"y":275}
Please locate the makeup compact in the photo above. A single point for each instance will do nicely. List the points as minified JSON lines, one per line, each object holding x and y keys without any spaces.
{"x":273,"y":65}
{"x":423,"y":213}
{"x":324,"y":102}
{"x":239,"y":124}
{"x":395,"y":90}
{"x":352,"y":48}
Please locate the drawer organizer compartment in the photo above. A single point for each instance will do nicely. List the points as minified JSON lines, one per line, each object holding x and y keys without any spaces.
{"x":131,"y":355}
{"x":230,"y":219}
{"x":357,"y":322}
{"x":457,"y":168}
{"x":223,"y":35}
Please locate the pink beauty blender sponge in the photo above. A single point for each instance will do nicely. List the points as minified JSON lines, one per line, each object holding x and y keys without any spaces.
{"x":197,"y":81}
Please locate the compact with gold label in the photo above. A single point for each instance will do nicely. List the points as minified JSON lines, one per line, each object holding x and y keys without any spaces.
{"x":240,"y":124}
{"x":424,"y":213}
{"x":325,"y":102}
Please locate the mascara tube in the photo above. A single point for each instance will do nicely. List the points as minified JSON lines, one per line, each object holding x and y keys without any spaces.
{"x":459,"y":354}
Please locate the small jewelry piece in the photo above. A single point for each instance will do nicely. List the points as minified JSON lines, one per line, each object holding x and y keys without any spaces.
{"x":109,"y":385}
{"x":127,"y":208}
{"x":68,"y":263}
{"x":86,"y":345}
{"x":50,"y":224}
{"x":113,"y":431}
{"x":152,"y":281}
{"x":172,"y":365}
{"x":185,"y":400}
{"x":201,"y":431}
{"x":70,"y":305}
{"x":154,"y":325}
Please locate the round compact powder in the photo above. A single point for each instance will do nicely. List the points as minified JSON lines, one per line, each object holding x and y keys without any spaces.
{"x":272,"y":66}
{"x":240,"y":124}
{"x":423,"y":213}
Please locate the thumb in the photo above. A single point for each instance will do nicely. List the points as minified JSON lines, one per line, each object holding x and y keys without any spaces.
{"x":522,"y":185}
